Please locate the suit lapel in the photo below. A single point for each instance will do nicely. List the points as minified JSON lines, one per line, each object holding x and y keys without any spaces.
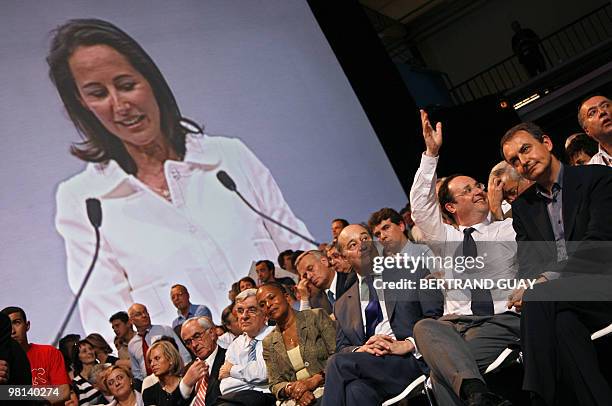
{"x":279,"y":349}
{"x":302,"y":330}
{"x":353,"y":308}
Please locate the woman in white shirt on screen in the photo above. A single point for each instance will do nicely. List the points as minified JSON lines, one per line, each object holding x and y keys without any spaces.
{"x":167,"y":219}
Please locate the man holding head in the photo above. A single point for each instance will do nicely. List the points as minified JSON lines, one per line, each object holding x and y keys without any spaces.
{"x":595,"y":118}
{"x":185,"y":309}
{"x":570,"y":208}
{"x":147,"y":334}
{"x":202,"y":376}
{"x":512,"y":185}
{"x":376,"y":356}
{"x":476,"y":326}
{"x":46,"y":361}
{"x":315,"y":268}
{"x":244,"y":377}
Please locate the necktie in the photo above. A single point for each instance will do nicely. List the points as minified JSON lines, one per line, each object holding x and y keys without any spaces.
{"x":202,"y":386}
{"x":373,"y":311}
{"x":482,"y":301}
{"x":253,"y":350}
{"x":145,"y":349}
{"x":330,"y":296}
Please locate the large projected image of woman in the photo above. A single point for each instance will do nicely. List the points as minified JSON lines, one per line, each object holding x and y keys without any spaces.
{"x":166,"y":217}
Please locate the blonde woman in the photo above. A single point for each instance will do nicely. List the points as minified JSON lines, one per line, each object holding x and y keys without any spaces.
{"x":166,"y":364}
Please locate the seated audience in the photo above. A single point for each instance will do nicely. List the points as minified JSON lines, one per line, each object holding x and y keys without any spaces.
{"x":46,"y":361}
{"x":476,"y":326}
{"x":167,"y":364}
{"x":102,"y":349}
{"x":337,"y":261}
{"x":580,"y":148}
{"x":84,"y":358}
{"x":124,"y":332}
{"x":265,"y":273}
{"x":376,"y":356}
{"x":146,"y":335}
{"x":185,"y":309}
{"x":568,"y":207}
{"x":121,"y":386}
{"x":595,"y":118}
{"x":297,"y":349}
{"x":244,"y":380}
{"x":246,"y":283}
{"x":201,"y":381}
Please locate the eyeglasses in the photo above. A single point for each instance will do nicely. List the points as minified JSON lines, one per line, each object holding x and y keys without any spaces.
{"x":251,"y":310}
{"x":469,"y":189}
{"x":196,"y":337}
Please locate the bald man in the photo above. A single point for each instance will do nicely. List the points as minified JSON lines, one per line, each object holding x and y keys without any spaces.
{"x":147,"y":334}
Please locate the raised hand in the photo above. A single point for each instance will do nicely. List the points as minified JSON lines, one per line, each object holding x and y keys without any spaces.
{"x":433,"y":138}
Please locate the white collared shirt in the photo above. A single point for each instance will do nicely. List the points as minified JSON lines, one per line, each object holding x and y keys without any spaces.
{"x":149,"y":244}
{"x":384,"y":327}
{"x":444,"y":240}
{"x":332,"y":287}
{"x":245,"y":374}
{"x":601,"y":158}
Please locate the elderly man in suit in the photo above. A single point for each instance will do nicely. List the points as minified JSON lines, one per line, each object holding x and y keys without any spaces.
{"x":570,"y":208}
{"x":374,"y":332}
{"x":199,"y":336}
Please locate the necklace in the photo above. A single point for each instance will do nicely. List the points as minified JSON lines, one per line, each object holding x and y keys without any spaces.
{"x":163,"y":192}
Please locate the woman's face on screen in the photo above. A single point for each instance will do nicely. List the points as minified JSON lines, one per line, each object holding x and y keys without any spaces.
{"x":117,"y":94}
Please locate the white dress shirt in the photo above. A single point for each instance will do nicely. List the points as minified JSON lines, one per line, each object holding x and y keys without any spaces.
{"x":601,"y":158}
{"x":245,"y":374}
{"x":444,"y":240}
{"x":204,"y":239}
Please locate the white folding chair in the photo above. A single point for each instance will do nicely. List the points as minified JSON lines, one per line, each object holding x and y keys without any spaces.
{"x":412,"y":389}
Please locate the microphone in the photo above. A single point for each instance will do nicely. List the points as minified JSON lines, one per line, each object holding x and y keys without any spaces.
{"x":94,"y":213}
{"x":229,"y":183}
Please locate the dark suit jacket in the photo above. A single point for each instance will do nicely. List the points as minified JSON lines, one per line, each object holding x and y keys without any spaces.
{"x":343,"y":283}
{"x":316,"y":332}
{"x":587,"y":217}
{"x":214,"y":391}
{"x":403,"y":310}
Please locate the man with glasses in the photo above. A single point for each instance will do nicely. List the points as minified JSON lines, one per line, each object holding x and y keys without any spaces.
{"x":244,"y":377}
{"x":512,"y":185}
{"x":201,"y":381}
{"x":595,"y":117}
{"x":476,"y":326}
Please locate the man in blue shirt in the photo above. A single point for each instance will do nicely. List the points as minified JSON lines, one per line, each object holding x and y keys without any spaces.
{"x":185,"y":309}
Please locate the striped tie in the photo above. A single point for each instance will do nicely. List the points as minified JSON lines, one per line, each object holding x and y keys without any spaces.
{"x":202,"y":385}
{"x":253,"y":350}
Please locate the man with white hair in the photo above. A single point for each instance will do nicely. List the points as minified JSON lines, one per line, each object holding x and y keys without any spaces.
{"x":201,"y":381}
{"x":512,"y":185}
{"x":244,"y":377}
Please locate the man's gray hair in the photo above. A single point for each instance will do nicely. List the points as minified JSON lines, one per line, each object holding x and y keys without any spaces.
{"x":504,"y":168}
{"x":204,"y":321}
{"x":245,"y":293}
{"x":95,"y":372}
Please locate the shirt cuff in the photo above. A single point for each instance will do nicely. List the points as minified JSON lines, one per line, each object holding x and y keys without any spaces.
{"x":551,"y":275}
{"x":185,"y":390}
{"x":415,"y":351}
{"x":428,"y":165}
{"x":305,"y":305}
